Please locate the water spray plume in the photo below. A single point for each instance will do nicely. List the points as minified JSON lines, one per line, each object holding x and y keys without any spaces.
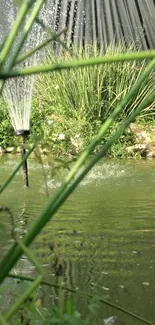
{"x":18,"y":93}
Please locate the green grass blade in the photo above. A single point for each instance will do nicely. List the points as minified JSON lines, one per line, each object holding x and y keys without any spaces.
{"x":54,"y":37}
{"x":25,"y":32}
{"x":14,"y":30}
{"x":78,"y":64}
{"x":8,"y":181}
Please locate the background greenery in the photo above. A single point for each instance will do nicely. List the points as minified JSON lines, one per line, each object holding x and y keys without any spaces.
{"x":69,"y":107}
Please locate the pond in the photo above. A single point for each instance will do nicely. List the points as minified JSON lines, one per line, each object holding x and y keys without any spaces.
{"x":103,"y":236}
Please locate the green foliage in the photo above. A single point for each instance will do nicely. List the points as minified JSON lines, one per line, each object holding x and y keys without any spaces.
{"x":73,"y":104}
{"x":118,"y":149}
{"x":34,"y":313}
{"x":90,"y":94}
{"x":119,"y":79}
{"x":70,"y":106}
{"x":6,"y":130}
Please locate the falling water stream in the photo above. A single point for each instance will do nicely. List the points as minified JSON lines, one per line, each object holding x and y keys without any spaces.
{"x":105,"y":235}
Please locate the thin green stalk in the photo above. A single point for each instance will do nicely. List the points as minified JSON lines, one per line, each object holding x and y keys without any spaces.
{"x":50,"y":32}
{"x":33,"y":287}
{"x":14,"y":30}
{"x":24,"y":297}
{"x":82,"y":293}
{"x":7,"y":182}
{"x":26,"y":30}
{"x":31,"y":257}
{"x":3,"y":42}
{"x":25,"y":33}
{"x":24,"y":56}
{"x":78,"y":64}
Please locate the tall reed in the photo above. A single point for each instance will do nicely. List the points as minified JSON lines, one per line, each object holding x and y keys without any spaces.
{"x":91,"y":93}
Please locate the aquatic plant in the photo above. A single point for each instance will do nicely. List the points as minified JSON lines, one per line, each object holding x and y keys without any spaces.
{"x":74,"y":177}
{"x":88,"y":95}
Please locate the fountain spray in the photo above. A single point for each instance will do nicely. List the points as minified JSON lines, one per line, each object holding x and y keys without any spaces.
{"x":18,"y":92}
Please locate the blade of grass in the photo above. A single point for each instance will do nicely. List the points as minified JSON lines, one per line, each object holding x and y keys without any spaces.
{"x":78,"y":64}
{"x":7,"y":45}
{"x":50,"y":32}
{"x":32,"y":288}
{"x":24,"y":56}
{"x":23,"y":298}
{"x":26,"y":5}
{"x":25,"y":32}
{"x":8,"y":181}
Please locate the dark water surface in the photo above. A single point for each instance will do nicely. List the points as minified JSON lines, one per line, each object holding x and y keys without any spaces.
{"x":104,"y":235}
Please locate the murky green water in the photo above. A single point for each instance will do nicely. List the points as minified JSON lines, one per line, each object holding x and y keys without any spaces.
{"x":104,"y":235}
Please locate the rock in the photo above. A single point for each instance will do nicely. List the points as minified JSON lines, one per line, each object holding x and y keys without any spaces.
{"x":9,"y":149}
{"x":143,"y":133}
{"x":45,"y":151}
{"x":2,"y":150}
{"x":151,"y":154}
{"x":140,"y":149}
{"x":144,"y":138}
{"x":76,"y":144}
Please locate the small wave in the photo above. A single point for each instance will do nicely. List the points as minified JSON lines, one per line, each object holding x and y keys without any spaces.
{"x":34,"y":166}
{"x":51,"y":183}
{"x":104,"y":171}
{"x":10,"y":164}
{"x":97,"y":174}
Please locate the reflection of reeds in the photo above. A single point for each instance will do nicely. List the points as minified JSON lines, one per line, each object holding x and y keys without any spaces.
{"x":12,"y":222}
{"x":57,"y":264}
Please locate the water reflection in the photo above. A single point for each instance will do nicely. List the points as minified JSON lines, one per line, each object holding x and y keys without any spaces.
{"x":101,"y":241}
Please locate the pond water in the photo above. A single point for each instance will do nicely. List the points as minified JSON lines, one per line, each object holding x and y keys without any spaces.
{"x":104,"y":235}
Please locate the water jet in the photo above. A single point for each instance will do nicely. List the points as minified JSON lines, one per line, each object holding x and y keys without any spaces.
{"x":18,"y":92}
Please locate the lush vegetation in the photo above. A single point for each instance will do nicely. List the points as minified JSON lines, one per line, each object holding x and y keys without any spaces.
{"x":69,"y":107}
